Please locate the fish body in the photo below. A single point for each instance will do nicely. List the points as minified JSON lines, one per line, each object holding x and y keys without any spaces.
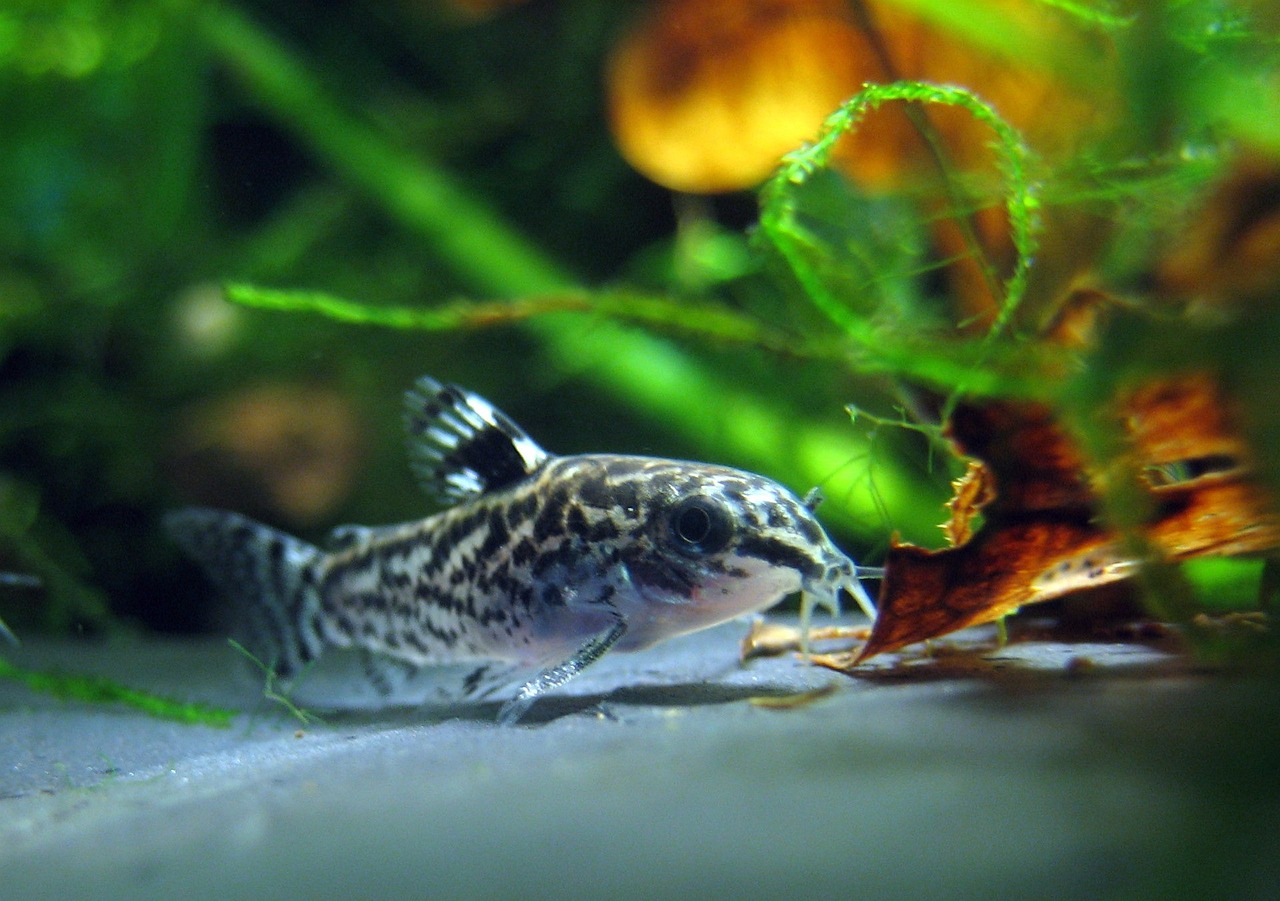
{"x":538,"y":566}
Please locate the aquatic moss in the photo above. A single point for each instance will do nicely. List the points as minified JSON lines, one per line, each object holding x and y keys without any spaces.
{"x":100,"y":690}
{"x":270,"y":689}
{"x":778,"y":222}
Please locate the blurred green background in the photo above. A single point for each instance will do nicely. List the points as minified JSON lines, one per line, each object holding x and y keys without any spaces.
{"x":140,"y":167}
{"x":410,"y":153}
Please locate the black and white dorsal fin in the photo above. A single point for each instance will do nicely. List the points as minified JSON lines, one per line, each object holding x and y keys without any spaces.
{"x":460,"y":446}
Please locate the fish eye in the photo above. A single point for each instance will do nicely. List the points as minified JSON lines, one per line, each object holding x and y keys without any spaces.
{"x":700,"y":525}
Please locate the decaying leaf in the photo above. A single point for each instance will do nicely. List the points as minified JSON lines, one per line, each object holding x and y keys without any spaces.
{"x":766,"y":639}
{"x":938,"y":660}
{"x":973,"y":491}
{"x":1231,"y":252}
{"x":706,"y":95}
{"x":1254,"y":622}
{"x":1042,"y":536}
{"x":791,"y":701}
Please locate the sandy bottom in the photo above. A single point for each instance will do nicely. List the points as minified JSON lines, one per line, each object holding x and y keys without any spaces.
{"x":674,"y":772}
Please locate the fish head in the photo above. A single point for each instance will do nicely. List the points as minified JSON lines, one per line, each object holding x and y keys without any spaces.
{"x":697,"y":545}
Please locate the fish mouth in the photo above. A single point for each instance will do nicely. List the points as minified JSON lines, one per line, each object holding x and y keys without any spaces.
{"x":841,"y":573}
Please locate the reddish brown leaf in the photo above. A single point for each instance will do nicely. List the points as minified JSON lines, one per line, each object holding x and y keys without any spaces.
{"x":926,"y":594}
{"x":973,"y":491}
{"x":1042,"y":537}
{"x":1231,"y":251}
{"x":769,"y":639}
{"x":1200,"y":471}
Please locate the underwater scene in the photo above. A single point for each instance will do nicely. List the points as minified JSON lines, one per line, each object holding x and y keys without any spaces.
{"x":697,"y":402}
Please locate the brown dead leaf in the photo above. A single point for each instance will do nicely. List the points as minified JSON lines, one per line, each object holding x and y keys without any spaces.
{"x":792,"y":701}
{"x":973,"y":491}
{"x":1042,"y":537}
{"x":766,"y":639}
{"x":938,"y":661}
{"x":1074,"y":322}
{"x":1248,"y":623}
{"x":1200,"y":471}
{"x":1231,"y":251}
{"x":706,"y":95}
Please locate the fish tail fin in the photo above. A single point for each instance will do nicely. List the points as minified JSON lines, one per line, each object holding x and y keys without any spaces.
{"x":267,"y":575}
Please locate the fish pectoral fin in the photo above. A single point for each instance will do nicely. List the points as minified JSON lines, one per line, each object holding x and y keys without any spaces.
{"x":555,"y":676}
{"x":461,"y":446}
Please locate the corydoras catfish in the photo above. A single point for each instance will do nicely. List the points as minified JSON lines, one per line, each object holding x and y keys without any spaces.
{"x":536,"y":567}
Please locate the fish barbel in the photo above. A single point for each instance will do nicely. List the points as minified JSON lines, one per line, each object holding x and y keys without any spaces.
{"x":537,"y":566}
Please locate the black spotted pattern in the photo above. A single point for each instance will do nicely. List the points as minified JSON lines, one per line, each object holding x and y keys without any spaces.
{"x":475,"y":580}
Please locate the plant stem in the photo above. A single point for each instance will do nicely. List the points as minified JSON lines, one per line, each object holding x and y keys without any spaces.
{"x":647,"y":371}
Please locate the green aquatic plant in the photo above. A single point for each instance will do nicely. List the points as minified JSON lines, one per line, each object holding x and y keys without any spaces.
{"x":100,"y":690}
{"x":641,"y":369}
{"x":51,"y":566}
{"x":779,"y":219}
{"x":15,"y":580}
{"x":477,"y":216}
{"x":966,"y":367}
{"x":270,"y":690}
{"x":702,"y":320}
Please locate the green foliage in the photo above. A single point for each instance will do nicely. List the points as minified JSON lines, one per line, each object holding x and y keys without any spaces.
{"x":779,"y":216}
{"x":455,"y":186}
{"x":270,"y":691}
{"x":810,"y":257}
{"x":98,"y":690}
{"x":1225,"y":583}
{"x":47,"y":559}
{"x":714,"y":323}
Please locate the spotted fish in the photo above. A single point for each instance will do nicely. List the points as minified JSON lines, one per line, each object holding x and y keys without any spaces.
{"x":537,"y":566}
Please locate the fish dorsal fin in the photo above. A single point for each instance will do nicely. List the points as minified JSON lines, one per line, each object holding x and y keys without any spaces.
{"x":344,"y":538}
{"x":460,"y":446}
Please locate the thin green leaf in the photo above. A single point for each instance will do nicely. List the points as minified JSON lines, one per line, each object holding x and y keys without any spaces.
{"x":100,"y":690}
{"x":689,"y":317}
